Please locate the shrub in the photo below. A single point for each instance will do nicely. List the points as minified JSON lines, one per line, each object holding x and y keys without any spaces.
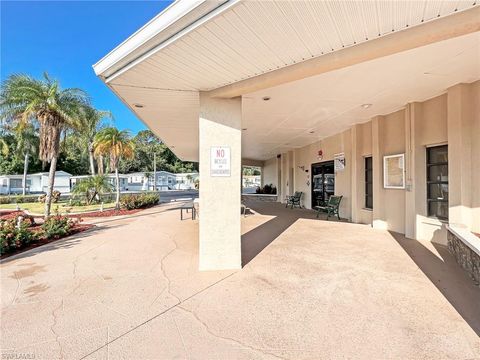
{"x":15,"y":236}
{"x":17,"y":199}
{"x":55,"y":197}
{"x":137,"y":201}
{"x":57,"y":226}
{"x":92,"y":187}
{"x":267,"y":189}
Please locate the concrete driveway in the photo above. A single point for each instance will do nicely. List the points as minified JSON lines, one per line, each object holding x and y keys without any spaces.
{"x":131,"y":290}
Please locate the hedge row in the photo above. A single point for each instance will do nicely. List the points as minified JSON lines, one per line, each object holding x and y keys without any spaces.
{"x":19,"y":199}
{"x":137,"y":201}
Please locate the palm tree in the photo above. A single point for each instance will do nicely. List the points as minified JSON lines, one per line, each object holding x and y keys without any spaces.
{"x":116,"y":144}
{"x":24,"y":99}
{"x":92,"y":186}
{"x":27,"y":143}
{"x":90,"y":124}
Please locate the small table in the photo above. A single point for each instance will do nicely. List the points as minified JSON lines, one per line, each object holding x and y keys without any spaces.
{"x":186,"y":207}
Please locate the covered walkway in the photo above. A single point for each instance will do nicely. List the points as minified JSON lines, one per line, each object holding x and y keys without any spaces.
{"x":317,"y":289}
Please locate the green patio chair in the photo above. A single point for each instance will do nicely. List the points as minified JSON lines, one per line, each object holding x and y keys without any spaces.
{"x":294,"y":200}
{"x":332,"y":207}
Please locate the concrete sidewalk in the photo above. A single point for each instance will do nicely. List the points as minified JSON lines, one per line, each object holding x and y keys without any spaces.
{"x":314,"y":289}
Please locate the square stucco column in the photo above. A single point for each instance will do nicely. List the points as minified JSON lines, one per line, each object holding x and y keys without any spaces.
{"x":220,"y":123}
{"x":460,"y":130}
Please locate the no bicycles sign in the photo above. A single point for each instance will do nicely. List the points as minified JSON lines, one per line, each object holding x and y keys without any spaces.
{"x":220,"y":161}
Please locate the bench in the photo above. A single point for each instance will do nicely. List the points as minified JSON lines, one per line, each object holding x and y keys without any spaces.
{"x":294,"y":200}
{"x":187,"y":207}
{"x":332,"y":207}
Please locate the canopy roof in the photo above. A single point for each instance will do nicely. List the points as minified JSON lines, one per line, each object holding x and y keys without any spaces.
{"x":318,"y":61}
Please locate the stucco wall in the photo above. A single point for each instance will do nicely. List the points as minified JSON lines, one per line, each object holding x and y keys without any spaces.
{"x":269,"y":172}
{"x":430,"y":129}
{"x":306,"y":156}
{"x":475,"y":88}
{"x":453,"y":118}
{"x":393,"y":135}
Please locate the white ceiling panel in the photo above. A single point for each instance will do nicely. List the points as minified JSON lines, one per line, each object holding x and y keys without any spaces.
{"x":255,"y":37}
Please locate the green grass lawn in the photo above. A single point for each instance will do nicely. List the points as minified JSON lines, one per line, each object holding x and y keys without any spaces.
{"x":37,"y":208}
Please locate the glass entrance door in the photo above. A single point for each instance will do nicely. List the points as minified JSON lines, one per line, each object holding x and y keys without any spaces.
{"x":323,"y":183}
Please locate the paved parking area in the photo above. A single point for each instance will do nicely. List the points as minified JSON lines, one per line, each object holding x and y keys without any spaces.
{"x":309,"y":289}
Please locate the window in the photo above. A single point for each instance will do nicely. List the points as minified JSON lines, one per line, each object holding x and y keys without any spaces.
{"x":16,"y":183}
{"x":368,"y":183}
{"x":437,"y":182}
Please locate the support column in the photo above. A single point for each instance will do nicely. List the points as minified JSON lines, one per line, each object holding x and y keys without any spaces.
{"x":459,"y":120}
{"x":356,"y":174}
{"x":219,"y":222}
{"x":412,"y":114}
{"x":378,"y":216}
{"x":279,"y":179}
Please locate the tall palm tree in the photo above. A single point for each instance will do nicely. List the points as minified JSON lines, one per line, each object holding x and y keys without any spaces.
{"x":116,"y":144}
{"x":24,"y":99}
{"x":27,"y":143}
{"x":90,"y":124}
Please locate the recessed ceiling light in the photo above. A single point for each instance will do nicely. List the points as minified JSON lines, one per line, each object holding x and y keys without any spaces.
{"x":138,"y":105}
{"x":366,"y":106}
{"x":266,"y":98}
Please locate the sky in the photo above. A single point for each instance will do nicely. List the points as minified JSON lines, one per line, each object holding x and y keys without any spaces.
{"x":65,"y":38}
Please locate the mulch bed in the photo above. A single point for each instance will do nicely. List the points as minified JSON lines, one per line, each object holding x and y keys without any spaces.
{"x":77,"y":228}
{"x":105,"y":213}
{"x":7,"y":215}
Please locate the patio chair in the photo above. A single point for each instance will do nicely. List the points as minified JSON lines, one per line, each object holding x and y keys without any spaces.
{"x":243,"y":208}
{"x":294,"y":200}
{"x":332,"y":207}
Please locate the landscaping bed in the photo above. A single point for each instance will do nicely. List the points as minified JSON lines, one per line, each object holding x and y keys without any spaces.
{"x":106,"y":213}
{"x":19,"y":236}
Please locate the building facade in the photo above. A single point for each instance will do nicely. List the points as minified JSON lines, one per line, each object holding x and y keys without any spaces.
{"x":437,"y":140}
{"x":36,"y":183}
{"x":375,"y":101}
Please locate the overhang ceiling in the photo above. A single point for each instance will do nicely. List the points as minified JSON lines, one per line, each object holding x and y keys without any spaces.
{"x":249,"y":38}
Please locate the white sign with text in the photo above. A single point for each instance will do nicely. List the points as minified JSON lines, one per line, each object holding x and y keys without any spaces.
{"x":220,"y":161}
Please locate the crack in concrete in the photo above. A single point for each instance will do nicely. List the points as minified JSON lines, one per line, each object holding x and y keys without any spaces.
{"x":157,"y":316}
{"x":164,"y":274}
{"x":57,"y":336}
{"x":243,"y":345}
{"x":16,"y":290}
{"x":187,"y":355}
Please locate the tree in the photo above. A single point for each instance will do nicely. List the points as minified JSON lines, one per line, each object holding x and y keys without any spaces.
{"x":91,"y":187}
{"x":27,"y":143}
{"x":24,"y":99}
{"x":90,"y":124}
{"x":146,"y":145}
{"x":117,"y":145}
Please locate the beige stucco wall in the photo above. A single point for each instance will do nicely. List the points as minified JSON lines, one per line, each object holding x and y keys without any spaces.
{"x":361,"y":148}
{"x":308,"y":155}
{"x":453,"y":118}
{"x":475,"y":88}
{"x":430,"y":128}
{"x":269,"y":172}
